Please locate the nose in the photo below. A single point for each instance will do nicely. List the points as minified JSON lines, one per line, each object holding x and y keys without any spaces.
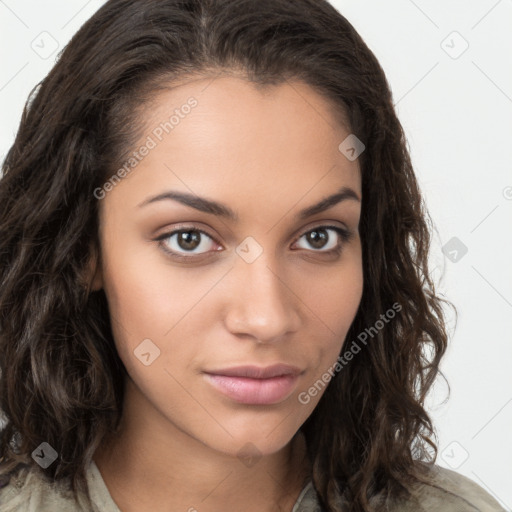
{"x":262,"y":303}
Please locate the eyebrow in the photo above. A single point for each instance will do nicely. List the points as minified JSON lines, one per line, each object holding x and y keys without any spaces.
{"x":215,"y":208}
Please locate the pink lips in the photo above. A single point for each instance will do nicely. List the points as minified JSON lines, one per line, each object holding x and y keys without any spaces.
{"x":253,"y":385}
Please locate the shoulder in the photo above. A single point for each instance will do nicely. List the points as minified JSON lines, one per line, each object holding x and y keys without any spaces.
{"x":443,"y":491}
{"x":448,"y":491}
{"x":29,"y":490}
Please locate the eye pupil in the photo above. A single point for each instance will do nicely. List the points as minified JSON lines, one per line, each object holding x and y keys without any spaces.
{"x":188,"y":239}
{"x":318,"y":237}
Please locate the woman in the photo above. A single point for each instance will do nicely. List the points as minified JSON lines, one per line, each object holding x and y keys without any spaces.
{"x":214,"y":282}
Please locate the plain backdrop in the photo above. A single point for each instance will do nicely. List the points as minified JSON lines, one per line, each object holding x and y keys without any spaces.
{"x":450,"y":70}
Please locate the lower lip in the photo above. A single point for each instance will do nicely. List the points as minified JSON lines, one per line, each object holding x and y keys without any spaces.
{"x":254,"y":391}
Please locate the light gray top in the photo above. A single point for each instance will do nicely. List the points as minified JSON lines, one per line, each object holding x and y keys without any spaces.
{"x":31,"y":491}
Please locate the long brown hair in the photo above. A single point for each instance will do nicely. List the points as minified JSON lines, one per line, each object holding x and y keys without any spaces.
{"x":61,"y":378}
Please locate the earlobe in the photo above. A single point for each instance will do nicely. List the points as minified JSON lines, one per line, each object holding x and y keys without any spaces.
{"x":94,"y":278}
{"x":97,"y":279}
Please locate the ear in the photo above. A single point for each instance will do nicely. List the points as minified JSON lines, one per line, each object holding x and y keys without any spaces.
{"x":97,"y":278}
{"x":93,"y":272}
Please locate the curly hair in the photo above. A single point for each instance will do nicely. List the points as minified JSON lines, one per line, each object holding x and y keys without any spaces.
{"x":61,"y":378}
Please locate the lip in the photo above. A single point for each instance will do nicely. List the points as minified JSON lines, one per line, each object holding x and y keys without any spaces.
{"x":254,"y":385}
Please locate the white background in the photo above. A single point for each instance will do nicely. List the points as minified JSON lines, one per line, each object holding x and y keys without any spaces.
{"x":456,"y":109}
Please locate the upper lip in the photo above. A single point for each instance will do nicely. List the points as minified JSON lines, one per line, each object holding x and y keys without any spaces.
{"x":256,"y":372}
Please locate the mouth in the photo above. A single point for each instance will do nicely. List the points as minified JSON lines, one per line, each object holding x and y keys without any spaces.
{"x":252,"y":385}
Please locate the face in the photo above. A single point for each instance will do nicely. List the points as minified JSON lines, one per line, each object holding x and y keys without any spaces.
{"x":216,"y":255}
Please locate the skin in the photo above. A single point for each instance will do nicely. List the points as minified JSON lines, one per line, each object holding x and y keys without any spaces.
{"x":265,"y":153}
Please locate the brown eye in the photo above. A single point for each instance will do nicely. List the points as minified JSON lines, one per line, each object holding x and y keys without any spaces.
{"x":187,"y":242}
{"x":317,"y":238}
{"x":325,"y":239}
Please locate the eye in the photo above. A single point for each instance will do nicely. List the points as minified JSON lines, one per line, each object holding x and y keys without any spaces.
{"x":329,"y":239}
{"x":191,"y":241}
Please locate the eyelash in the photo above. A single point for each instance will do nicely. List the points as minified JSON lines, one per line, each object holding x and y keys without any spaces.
{"x":344,"y":234}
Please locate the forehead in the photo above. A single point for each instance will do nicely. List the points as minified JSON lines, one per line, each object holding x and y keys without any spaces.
{"x":225,"y":135}
{"x":233,"y":103}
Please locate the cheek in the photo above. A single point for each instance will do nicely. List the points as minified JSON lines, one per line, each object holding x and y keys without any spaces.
{"x":147,"y":296}
{"x":334,"y":296}
{"x":337,"y":299}
{"x":147,"y":307}
{"x":150,"y":300}
{"x":335,"y":304}
{"x":333,"y":301}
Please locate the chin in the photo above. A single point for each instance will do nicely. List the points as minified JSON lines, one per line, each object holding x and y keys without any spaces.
{"x":252,"y":440}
